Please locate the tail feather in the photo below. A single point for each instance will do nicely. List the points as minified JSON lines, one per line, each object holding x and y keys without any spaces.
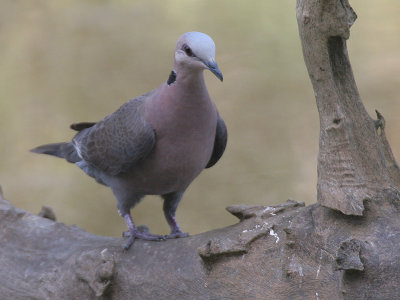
{"x":62,"y":150}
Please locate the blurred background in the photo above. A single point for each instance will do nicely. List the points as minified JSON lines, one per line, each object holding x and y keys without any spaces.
{"x":69,"y":61}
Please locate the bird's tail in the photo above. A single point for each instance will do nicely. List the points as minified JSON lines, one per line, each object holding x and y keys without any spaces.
{"x":62,"y":150}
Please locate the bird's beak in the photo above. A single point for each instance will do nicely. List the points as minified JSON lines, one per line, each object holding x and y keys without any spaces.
{"x":213,"y":67}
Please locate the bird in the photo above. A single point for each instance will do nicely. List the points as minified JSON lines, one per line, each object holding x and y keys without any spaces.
{"x":156,"y":143}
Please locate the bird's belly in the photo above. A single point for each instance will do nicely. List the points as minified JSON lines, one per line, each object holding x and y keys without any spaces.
{"x":173,"y":169}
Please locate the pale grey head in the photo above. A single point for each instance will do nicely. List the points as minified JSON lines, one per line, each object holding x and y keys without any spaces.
{"x":196,"y":50}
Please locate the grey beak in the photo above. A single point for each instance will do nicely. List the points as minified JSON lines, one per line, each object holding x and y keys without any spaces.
{"x":213,"y":67}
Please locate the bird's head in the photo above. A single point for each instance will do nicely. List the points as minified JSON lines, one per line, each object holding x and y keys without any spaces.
{"x":196,"y":51}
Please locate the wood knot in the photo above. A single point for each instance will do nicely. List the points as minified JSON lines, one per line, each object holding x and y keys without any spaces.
{"x":48,"y":213}
{"x":237,"y":243}
{"x":348,"y":256}
{"x":336,"y":121}
{"x":244,"y":211}
{"x":96,"y":269}
{"x":380,"y":121}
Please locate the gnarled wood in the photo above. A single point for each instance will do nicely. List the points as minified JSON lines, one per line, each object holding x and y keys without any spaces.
{"x":344,"y":247}
{"x":355,"y":161}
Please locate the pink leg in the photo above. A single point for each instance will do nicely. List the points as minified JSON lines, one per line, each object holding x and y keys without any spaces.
{"x":176,"y":232}
{"x":133,"y":233}
{"x":171,"y":202}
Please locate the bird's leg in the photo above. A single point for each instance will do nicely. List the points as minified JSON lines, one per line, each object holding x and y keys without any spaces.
{"x":133,"y":233}
{"x":132,"y":230}
{"x":171,"y":202}
{"x":176,"y":231}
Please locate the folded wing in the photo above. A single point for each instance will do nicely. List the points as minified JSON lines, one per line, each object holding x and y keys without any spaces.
{"x":117,"y":143}
{"x":221,"y":137}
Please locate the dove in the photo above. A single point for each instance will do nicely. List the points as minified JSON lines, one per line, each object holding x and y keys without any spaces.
{"x":157,"y":143}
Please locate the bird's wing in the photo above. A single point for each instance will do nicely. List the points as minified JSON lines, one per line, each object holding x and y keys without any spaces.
{"x":221,"y":137}
{"x":119,"y":141}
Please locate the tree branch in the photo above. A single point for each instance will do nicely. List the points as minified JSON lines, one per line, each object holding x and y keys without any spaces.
{"x":344,"y":247}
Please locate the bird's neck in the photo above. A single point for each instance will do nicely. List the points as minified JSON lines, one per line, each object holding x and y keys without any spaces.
{"x":188,"y":84}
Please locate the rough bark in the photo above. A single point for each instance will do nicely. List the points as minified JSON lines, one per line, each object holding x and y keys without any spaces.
{"x":355,"y":162}
{"x":343,"y":247}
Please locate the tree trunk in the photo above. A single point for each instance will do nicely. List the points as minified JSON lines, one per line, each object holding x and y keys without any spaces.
{"x":343,"y":247}
{"x":355,"y":162}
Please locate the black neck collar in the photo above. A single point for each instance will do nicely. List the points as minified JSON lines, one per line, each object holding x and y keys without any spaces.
{"x":171,"y":78}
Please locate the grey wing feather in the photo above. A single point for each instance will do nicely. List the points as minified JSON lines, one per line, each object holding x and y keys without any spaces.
{"x":221,"y":138}
{"x":115,"y":144}
{"x":82,"y":125}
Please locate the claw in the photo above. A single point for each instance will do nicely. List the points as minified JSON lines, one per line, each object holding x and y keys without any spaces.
{"x":129,"y":243}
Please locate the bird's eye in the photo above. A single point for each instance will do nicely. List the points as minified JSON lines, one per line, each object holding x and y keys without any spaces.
{"x":187,"y":50}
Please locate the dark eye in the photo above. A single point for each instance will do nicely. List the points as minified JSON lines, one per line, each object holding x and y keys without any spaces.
{"x":187,"y":50}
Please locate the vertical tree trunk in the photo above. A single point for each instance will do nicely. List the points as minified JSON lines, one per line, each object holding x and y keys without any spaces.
{"x":355,"y":161}
{"x":344,"y":247}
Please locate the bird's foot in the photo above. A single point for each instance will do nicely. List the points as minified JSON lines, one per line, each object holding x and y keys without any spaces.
{"x":140,"y":233}
{"x":129,"y":242}
{"x":176,"y":235}
{"x":144,"y":236}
